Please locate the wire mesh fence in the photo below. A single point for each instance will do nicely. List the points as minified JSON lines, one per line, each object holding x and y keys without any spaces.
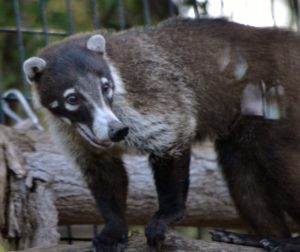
{"x":45,"y":32}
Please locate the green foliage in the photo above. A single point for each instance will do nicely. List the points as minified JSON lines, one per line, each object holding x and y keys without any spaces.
{"x":4,"y":246}
{"x":57,"y":20}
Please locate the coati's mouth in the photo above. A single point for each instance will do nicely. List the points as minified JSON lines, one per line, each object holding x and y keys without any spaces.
{"x":99,"y":144}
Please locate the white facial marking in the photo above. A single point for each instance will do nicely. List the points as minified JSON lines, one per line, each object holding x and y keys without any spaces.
{"x":53,"y":104}
{"x":240,"y":68}
{"x":100,"y":124}
{"x":110,"y":93}
{"x":102,"y":117}
{"x":119,"y":85}
{"x":68,"y":91}
{"x":66,"y":120}
{"x":104,"y":80}
{"x":71,"y":107}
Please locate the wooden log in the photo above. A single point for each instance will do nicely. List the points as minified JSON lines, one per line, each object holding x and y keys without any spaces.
{"x":208,"y":203}
{"x":46,"y":190}
{"x":174,"y":242}
{"x":3,"y":184}
{"x":30,"y":205}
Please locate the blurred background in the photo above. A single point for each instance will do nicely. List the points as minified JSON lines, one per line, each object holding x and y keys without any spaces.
{"x":27,"y":25}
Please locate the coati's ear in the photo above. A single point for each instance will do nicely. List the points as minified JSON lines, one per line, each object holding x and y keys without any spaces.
{"x":96,"y":43}
{"x":32,"y":67}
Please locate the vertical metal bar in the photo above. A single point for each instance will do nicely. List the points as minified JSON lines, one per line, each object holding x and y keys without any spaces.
{"x":121,"y":15}
{"x":171,"y":8}
{"x":1,"y":106}
{"x":20,"y":44}
{"x":222,"y":8}
{"x":70,"y":16}
{"x":44,"y":21}
{"x":296,"y":8}
{"x":195,"y":7}
{"x":69,"y":234}
{"x":273,"y":12}
{"x":147,"y":19}
{"x":199,"y":233}
{"x":96,"y":22}
{"x":95,"y":230}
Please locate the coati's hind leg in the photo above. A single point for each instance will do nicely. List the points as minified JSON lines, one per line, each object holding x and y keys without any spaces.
{"x":171,"y":176}
{"x":240,"y":155}
{"x":107,"y":179}
{"x":288,"y":188}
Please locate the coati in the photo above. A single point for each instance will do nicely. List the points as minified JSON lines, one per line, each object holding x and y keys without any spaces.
{"x":161,"y":88}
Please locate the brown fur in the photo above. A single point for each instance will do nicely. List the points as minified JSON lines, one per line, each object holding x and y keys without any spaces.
{"x":184,"y":80}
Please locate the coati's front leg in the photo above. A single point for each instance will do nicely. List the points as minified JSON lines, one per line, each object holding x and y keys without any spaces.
{"x":171,"y":176}
{"x":107,"y":180}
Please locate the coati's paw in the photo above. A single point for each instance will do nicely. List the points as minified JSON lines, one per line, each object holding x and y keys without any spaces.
{"x":221,"y":235}
{"x":102,"y":244}
{"x":288,"y":245}
{"x":111,"y":240}
{"x":155,"y":232}
{"x":157,"y":226}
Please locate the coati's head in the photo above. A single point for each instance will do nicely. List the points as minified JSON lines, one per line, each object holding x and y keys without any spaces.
{"x":74,"y":81}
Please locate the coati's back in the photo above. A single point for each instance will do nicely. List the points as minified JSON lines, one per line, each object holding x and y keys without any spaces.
{"x":203,"y":59}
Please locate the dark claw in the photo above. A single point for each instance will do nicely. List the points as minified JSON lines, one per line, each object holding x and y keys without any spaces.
{"x":225,"y":236}
{"x":288,"y":245}
{"x":220,"y":235}
{"x":270,"y":244}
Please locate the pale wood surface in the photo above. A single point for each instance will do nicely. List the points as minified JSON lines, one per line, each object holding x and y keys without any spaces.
{"x":174,"y":242}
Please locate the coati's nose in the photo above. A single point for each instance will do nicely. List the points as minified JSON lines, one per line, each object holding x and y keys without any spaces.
{"x":117,"y":131}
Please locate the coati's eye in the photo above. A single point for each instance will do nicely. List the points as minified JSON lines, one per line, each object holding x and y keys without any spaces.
{"x":72,"y":99}
{"x":105,"y":87}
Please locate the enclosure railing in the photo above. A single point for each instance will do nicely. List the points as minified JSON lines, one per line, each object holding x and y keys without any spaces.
{"x":19,"y":30}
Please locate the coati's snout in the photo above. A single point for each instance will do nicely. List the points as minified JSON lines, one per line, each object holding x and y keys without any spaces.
{"x":117,"y":131}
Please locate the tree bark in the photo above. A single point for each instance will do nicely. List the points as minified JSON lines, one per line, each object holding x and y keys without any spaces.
{"x":174,"y":242}
{"x":208,"y":203}
{"x":43,"y":189}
